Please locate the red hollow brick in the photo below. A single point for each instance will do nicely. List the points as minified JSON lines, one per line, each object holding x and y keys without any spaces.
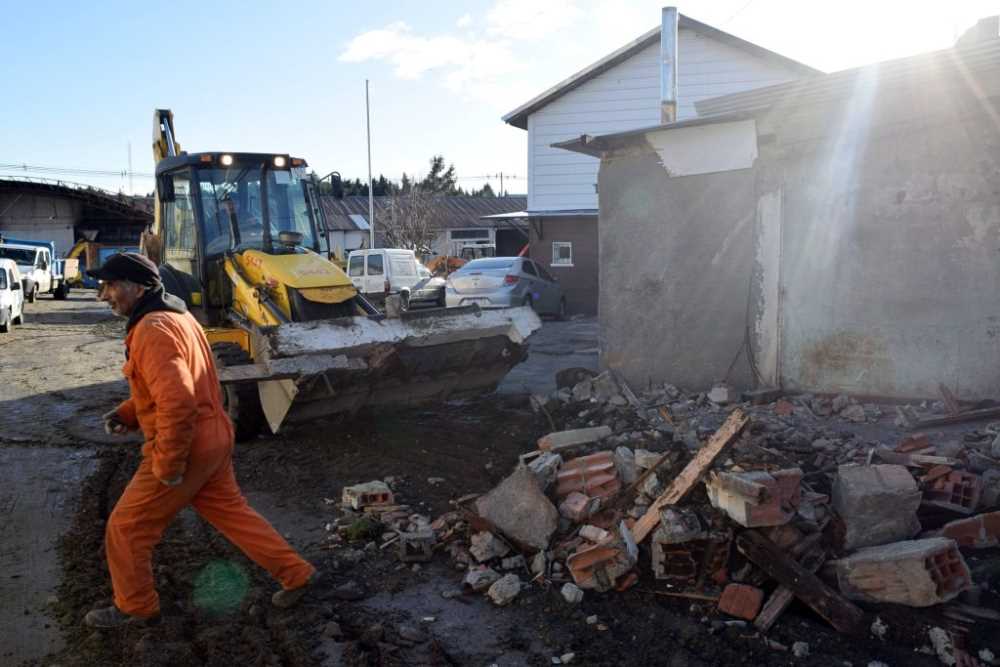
{"x":978,"y":532}
{"x":741,"y":601}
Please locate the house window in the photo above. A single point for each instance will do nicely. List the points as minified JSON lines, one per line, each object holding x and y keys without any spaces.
{"x":562,"y":253}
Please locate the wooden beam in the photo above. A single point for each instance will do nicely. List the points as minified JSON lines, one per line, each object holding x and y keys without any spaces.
{"x":692,"y":473}
{"x":971,"y":415}
{"x":838,"y":611}
{"x":783,"y":595}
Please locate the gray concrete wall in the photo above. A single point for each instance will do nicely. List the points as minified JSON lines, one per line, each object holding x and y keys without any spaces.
{"x":39,"y":218}
{"x":866,"y":237}
{"x":889,"y":237}
{"x":675,"y":271}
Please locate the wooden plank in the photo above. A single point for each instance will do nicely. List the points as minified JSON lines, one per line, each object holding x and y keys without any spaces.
{"x":949,"y":399}
{"x":692,"y":473}
{"x":971,"y":415}
{"x":838,"y":611}
{"x":915,"y":460}
{"x":783,"y":595}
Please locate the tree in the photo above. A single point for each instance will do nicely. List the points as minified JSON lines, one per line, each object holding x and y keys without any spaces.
{"x":439,"y":181}
{"x":408,"y":221}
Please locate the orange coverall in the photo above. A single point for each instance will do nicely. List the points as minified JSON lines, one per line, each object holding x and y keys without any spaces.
{"x":177,"y":402}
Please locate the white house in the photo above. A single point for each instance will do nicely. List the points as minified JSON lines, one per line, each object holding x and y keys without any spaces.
{"x":675,"y":64}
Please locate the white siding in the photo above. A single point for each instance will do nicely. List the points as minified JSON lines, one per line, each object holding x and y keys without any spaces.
{"x":627,"y":97}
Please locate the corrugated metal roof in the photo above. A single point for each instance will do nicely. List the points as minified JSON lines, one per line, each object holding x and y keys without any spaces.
{"x":939,"y":69}
{"x":519,"y":116}
{"x":449,"y":211}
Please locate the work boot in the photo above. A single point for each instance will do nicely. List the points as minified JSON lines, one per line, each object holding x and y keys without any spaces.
{"x":113,"y":617}
{"x":285,"y":599}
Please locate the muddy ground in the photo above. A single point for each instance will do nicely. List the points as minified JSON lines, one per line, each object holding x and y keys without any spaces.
{"x":60,"y":372}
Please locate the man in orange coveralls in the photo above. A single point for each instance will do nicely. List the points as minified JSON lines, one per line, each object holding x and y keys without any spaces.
{"x":187,"y":455}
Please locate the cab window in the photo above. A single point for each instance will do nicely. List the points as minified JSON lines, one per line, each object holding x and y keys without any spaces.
{"x":3,"y":279}
{"x":375,"y":267}
{"x":528,"y":268}
{"x":180,"y":233}
{"x":356,"y":266}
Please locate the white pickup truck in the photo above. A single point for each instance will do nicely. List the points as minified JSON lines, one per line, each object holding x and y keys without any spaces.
{"x":41,"y":273}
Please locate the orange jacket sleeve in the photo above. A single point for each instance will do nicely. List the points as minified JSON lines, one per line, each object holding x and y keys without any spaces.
{"x":126,"y":413}
{"x":161,"y":360}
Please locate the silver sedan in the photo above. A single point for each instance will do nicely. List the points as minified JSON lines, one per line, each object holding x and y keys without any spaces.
{"x":503,"y":282}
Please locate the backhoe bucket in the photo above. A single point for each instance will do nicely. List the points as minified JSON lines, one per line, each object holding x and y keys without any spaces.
{"x":313,"y":369}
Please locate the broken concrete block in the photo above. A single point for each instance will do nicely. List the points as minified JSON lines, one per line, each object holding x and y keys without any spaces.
{"x":678,"y":524}
{"x":741,"y":601}
{"x":941,"y":641}
{"x":686,"y":563}
{"x":572,"y":593}
{"x":604,"y":388}
{"x":504,"y":590}
{"x":854,"y":413}
{"x":578,"y":507}
{"x":722,"y":394}
{"x":651,"y":486}
{"x":485,"y":546}
{"x":594,"y":475}
{"x":572,"y":438}
{"x":957,"y":491}
{"x":976,"y":532}
{"x":360,"y":496}
{"x":878,"y":504}
{"x":756,"y":498}
{"x":583,"y":391}
{"x":416,"y":547}
{"x":645,"y":459}
{"x":916,"y":573}
{"x":513,"y":562}
{"x":544,"y":467}
{"x":479,"y":580}
{"x":593,"y":533}
{"x":567,"y":378}
{"x":990,"y":496}
{"x":540,"y":563}
{"x":519,"y":508}
{"x":840,"y":402}
{"x":625,"y":464}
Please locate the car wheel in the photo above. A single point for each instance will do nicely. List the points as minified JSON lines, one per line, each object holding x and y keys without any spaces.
{"x":32,"y":293}
{"x":5,"y":321}
{"x":441,"y":301}
{"x":61,"y":292}
{"x":19,"y":320}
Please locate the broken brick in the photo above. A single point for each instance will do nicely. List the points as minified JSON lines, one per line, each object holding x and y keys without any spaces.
{"x":360,"y":496}
{"x":594,"y":475}
{"x":976,"y":532}
{"x":577,"y":507}
{"x":916,"y":573}
{"x":756,"y":498}
{"x":691,"y":562}
{"x":913,"y":442}
{"x":957,"y":491}
{"x":741,"y":601}
{"x":598,"y":567}
{"x":783,"y":408}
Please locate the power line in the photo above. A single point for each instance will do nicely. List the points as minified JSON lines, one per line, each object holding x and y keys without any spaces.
{"x":76,"y":171}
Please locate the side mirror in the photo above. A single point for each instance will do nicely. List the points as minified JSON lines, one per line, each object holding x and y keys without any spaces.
{"x":16,"y":287}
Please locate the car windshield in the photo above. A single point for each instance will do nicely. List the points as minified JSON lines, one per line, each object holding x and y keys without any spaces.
{"x":19,"y":255}
{"x":234,"y":202}
{"x":486,"y":264}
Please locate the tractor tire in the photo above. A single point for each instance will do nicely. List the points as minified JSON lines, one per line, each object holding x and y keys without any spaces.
{"x":61,"y":292}
{"x":241,"y":401}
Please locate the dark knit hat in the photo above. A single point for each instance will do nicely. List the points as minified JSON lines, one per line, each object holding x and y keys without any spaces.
{"x":129,"y":266}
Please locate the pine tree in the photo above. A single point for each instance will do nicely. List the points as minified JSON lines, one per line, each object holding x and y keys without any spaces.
{"x":439,"y":181}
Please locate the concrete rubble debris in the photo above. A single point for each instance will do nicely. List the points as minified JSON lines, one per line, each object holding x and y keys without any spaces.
{"x":800,"y":649}
{"x":479,"y":580}
{"x":854,"y":413}
{"x":577,"y":507}
{"x":504,"y":590}
{"x":626,"y":465}
{"x":520,"y":510}
{"x":977,"y":532}
{"x":513,"y":562}
{"x":487,"y":546}
{"x":545,"y":467}
{"x":416,"y":546}
{"x":539,"y":564}
{"x":957,"y":491}
{"x":756,"y":498}
{"x":916,"y":573}
{"x":741,"y":601}
{"x":594,"y":475}
{"x":943,"y":647}
{"x":566,"y":439}
{"x":877,"y":503}
{"x":572,"y":593}
{"x":722,"y":394}
{"x":598,"y":567}
{"x":761,"y":396}
{"x":594,"y":533}
{"x":359,"y":496}
{"x":646,"y":459}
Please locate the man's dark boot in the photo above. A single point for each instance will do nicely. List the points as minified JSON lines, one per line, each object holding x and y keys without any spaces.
{"x":285,"y":599}
{"x":113,"y":617}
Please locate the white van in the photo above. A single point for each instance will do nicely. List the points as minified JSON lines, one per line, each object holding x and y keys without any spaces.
{"x":380,"y":272}
{"x":11,"y":295}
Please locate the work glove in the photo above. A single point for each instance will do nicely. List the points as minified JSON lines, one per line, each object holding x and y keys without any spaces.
{"x":173,"y":482}
{"x":113,"y":425}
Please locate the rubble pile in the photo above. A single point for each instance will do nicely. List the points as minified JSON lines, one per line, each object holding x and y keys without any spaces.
{"x":749,"y":505}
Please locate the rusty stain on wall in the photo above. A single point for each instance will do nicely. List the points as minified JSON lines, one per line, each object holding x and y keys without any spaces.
{"x":846,"y":360}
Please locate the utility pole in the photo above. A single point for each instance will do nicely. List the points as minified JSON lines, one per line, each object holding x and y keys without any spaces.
{"x":501,"y":185}
{"x":371,"y":189}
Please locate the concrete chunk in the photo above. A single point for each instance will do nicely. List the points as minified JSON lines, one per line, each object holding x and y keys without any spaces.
{"x":545,"y":467}
{"x":505,"y":590}
{"x":481,"y":579}
{"x":756,"y":498}
{"x":360,"y":496}
{"x":916,"y":573}
{"x":878,"y":504}
{"x":572,"y":438}
{"x":626,"y":465}
{"x":519,"y":508}
{"x":485,"y":546}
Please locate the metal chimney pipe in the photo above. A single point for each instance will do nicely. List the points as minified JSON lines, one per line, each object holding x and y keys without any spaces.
{"x":668,"y":65}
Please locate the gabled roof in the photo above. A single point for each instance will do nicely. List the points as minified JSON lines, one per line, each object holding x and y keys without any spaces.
{"x":519,"y":116}
{"x":449,"y":212}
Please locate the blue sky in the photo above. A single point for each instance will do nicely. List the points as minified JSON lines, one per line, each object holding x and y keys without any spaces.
{"x":81,"y":80}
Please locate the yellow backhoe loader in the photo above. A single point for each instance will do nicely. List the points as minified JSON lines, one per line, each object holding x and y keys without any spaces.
{"x":238,"y":237}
